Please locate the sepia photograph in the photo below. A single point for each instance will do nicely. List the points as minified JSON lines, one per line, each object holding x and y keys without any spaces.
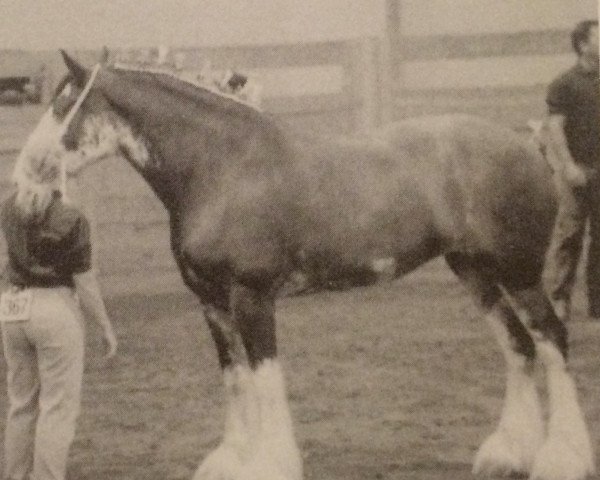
{"x":299,"y":240}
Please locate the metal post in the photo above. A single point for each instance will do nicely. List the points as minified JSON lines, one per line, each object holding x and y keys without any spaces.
{"x":391,"y":72}
{"x":368,"y":84}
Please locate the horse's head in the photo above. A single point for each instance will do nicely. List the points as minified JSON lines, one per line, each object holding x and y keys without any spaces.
{"x":81,"y":126}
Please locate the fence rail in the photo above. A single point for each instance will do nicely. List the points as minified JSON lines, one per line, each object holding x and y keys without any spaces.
{"x":489,"y":58}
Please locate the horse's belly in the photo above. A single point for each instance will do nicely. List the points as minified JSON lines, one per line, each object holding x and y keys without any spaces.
{"x":400,"y":227}
{"x":365,"y":255}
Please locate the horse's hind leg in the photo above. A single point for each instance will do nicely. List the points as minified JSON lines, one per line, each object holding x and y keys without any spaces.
{"x":566,"y":453}
{"x":514,"y":444}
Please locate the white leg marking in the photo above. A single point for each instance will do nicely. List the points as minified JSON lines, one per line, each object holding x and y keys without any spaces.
{"x":258,"y":443}
{"x":226,"y":462}
{"x":567,"y":453}
{"x":514,"y":444}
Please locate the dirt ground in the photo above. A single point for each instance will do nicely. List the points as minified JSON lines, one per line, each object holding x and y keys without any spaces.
{"x":396,"y":381}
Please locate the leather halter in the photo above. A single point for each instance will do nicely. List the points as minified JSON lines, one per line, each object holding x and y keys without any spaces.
{"x":67,"y":121}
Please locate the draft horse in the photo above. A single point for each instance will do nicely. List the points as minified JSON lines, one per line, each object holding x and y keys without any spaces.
{"x":250,"y":202}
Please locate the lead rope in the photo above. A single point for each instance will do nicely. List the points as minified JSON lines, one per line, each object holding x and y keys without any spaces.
{"x":65,"y":124}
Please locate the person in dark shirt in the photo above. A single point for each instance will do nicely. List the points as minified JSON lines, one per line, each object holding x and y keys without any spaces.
{"x":573,"y":149}
{"x":50,"y":289}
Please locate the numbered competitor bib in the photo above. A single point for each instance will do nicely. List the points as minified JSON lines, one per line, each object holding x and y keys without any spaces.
{"x":15,"y":305}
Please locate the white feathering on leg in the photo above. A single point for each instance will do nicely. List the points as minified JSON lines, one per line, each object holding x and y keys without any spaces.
{"x":514,"y":444}
{"x":258,"y":443}
{"x":227,"y":460}
{"x":275,"y":420}
{"x":567,"y":453}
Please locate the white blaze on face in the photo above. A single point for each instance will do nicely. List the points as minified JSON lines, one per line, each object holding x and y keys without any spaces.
{"x":102,"y":137}
{"x":43,"y":143}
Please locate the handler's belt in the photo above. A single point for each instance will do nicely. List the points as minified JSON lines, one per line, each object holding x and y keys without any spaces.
{"x":15,"y":305}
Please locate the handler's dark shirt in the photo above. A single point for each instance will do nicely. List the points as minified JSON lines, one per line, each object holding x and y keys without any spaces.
{"x":49,"y":252}
{"x":576,"y":95}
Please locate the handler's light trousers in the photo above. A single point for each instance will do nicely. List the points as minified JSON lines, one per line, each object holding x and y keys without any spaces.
{"x":44,"y":357}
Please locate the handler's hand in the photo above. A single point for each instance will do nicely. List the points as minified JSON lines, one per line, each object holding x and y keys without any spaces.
{"x":110,"y":341}
{"x":575,"y":175}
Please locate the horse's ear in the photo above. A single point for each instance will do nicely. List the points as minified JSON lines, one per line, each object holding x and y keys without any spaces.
{"x":104,"y":56}
{"x":77,"y":70}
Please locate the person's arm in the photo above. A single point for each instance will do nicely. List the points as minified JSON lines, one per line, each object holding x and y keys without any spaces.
{"x":558,"y":152}
{"x":92,"y":304}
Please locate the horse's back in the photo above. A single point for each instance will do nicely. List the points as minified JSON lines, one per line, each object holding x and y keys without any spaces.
{"x":358,"y":199}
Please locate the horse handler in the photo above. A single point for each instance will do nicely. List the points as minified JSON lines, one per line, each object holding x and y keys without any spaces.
{"x":573,"y":149}
{"x":51,"y":286}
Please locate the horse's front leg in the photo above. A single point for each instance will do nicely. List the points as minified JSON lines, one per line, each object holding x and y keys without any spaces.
{"x":258,"y":443}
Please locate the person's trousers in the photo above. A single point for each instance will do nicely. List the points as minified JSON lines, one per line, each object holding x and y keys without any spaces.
{"x":576,"y":207}
{"x":44,"y":357}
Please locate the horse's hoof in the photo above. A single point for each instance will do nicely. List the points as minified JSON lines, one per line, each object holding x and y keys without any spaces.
{"x":499,"y":456}
{"x":221,"y":464}
{"x":557,"y":460}
{"x":225,"y":463}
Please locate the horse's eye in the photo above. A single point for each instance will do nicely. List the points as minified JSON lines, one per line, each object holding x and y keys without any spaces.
{"x":62,"y":104}
{"x":64,"y":100}
{"x":69,"y":141}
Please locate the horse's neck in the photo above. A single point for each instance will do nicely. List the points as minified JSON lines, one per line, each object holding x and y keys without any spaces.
{"x":188,"y":132}
{"x":174,"y":151}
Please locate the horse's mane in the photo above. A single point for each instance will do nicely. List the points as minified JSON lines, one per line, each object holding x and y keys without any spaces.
{"x":198,"y":82}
